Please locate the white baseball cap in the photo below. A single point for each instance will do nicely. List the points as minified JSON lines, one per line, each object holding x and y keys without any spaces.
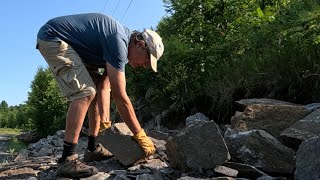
{"x":154,"y":45}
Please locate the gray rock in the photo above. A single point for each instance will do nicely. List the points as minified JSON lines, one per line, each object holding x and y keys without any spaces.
{"x":226,"y":171}
{"x":196,"y":117}
{"x":156,"y":176}
{"x":22,"y":156}
{"x":118,"y":140}
{"x":265,"y":101}
{"x":121,"y":177}
{"x":197,"y":146}
{"x":245,"y":170}
{"x":98,"y":176}
{"x":305,"y":128}
{"x":159,"y":135}
{"x":43,"y":152}
{"x":261,"y":150}
{"x":191,"y":178}
{"x":271,"y":116}
{"x":312,"y":106}
{"x":154,"y":164}
{"x":267,"y":178}
{"x":308,"y":160}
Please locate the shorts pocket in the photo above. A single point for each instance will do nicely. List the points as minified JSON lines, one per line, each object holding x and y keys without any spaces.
{"x":67,"y":78}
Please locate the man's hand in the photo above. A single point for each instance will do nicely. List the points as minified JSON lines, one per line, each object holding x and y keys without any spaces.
{"x":104,"y":125}
{"x":145,"y":142}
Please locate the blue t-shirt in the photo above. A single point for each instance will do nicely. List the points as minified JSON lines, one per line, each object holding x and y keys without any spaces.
{"x":97,"y":38}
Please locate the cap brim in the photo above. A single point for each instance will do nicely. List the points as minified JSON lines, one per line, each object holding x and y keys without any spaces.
{"x":153,"y":61}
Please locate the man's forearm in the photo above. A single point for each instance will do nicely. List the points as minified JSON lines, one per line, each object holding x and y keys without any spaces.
{"x":128,"y":114}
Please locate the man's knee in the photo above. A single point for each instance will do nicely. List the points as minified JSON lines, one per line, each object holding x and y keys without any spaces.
{"x":89,"y":92}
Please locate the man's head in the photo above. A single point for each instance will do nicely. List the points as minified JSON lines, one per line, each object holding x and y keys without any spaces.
{"x":145,"y":49}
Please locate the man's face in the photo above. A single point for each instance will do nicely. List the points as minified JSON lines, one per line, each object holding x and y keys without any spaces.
{"x":139,"y":56}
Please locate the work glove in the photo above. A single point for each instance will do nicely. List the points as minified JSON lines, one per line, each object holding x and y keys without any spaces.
{"x":145,"y":143}
{"x":104,"y":125}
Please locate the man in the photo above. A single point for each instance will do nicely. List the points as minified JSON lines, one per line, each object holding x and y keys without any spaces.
{"x":74,"y":47}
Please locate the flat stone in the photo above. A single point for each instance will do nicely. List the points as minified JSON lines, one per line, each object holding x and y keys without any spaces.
{"x":118,"y":140}
{"x":226,"y":171}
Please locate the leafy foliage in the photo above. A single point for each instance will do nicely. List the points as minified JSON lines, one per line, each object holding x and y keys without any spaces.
{"x":216,"y":52}
{"x":220,"y":51}
{"x":46,"y":107}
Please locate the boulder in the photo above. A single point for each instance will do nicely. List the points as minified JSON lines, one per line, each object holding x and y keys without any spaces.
{"x":272,"y":116}
{"x":305,"y":128}
{"x":245,"y":170}
{"x":308,"y":160}
{"x":198,"y":146}
{"x":261,"y":150}
{"x":196,"y":117}
{"x":118,"y":140}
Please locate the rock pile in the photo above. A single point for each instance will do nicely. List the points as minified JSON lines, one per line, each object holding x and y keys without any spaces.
{"x":269,"y":139}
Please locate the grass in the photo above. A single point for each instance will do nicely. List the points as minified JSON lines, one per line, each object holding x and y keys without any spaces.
{"x":10,"y":131}
{"x":14,"y":145}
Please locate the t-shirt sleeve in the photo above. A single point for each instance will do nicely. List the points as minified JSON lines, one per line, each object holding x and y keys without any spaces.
{"x":115,"y":51}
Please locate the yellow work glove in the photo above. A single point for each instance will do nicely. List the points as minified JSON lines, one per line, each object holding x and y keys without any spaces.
{"x":104,"y":125}
{"x":145,"y":143}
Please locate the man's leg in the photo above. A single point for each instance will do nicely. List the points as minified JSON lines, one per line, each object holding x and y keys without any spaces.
{"x":77,"y":86}
{"x":74,"y":121}
{"x":98,"y":114}
{"x":99,"y":110}
{"x":75,"y":117}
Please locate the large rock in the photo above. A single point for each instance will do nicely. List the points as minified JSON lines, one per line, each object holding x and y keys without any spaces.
{"x":118,"y":140}
{"x":245,"y":170}
{"x":29,"y":137}
{"x":196,"y":117}
{"x":273,"y":116}
{"x":305,"y":128}
{"x":261,"y":150}
{"x":198,"y":146}
{"x":266,"y":101}
{"x":308,"y":160}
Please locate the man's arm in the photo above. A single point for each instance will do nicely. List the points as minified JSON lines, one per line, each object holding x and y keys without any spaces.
{"x":125,"y":108}
{"x":123,"y":103}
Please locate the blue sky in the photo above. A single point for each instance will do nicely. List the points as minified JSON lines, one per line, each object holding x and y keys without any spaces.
{"x":21,"y":20}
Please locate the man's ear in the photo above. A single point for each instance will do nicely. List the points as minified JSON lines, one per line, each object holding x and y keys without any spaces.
{"x":140,"y":44}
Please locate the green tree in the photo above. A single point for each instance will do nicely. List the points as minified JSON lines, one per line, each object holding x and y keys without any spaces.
{"x":22,"y":119}
{"x":4,"y":106}
{"x":223,"y":51}
{"x":46,"y":108}
{"x":4,"y":110}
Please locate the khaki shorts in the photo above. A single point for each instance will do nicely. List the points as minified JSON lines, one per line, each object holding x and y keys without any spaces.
{"x":68,"y":69}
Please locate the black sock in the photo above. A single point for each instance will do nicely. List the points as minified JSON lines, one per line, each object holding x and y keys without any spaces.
{"x":68,"y":150}
{"x":91,"y":143}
